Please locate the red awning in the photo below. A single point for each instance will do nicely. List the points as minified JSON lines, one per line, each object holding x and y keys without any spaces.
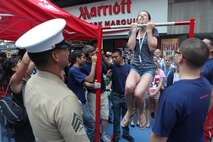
{"x":26,"y":14}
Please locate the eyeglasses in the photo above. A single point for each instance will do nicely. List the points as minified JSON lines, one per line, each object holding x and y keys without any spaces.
{"x":176,"y":52}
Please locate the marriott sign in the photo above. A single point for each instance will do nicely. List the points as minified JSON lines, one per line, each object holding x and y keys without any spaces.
{"x":116,"y":8}
{"x":119,"y":12}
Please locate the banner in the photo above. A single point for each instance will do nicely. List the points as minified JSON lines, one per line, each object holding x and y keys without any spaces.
{"x":22,"y":15}
{"x":169,"y":45}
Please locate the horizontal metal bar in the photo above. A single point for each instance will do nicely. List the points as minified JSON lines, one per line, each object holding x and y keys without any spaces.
{"x":143,"y":25}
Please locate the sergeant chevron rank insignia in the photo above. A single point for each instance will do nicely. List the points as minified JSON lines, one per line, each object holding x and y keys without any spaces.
{"x":77,"y":123}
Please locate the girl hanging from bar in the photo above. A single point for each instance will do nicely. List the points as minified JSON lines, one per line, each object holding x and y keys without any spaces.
{"x":143,"y":41}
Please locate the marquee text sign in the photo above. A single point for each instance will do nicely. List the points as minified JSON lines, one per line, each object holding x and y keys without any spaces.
{"x":123,"y":7}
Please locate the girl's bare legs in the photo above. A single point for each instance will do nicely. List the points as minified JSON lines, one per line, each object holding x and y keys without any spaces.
{"x":138,"y":122}
{"x":132,"y":123}
{"x":131,"y":82}
{"x":140,"y":89}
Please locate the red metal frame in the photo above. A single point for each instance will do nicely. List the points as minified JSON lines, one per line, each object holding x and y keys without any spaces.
{"x":98,"y":91}
{"x":191,"y":28}
{"x":191,"y":23}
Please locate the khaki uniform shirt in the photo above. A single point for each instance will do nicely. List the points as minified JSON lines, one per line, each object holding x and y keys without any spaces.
{"x":53,"y":110}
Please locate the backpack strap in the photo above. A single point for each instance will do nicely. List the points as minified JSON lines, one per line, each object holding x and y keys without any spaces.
{"x":23,"y":90}
{"x":137,"y":33}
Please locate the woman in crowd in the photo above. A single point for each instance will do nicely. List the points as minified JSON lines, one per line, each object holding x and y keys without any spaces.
{"x":22,"y":72}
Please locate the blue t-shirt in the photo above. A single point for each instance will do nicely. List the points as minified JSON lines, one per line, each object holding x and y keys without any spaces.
{"x":145,"y":54}
{"x":86,"y":68}
{"x":75,"y":83}
{"x":119,"y":75}
{"x":207,"y":70}
{"x":182,"y":111}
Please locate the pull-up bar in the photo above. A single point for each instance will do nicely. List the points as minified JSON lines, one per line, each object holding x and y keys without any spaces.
{"x":191,"y":23}
{"x":156,"y":24}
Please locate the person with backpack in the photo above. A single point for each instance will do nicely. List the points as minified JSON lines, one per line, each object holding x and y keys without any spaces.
{"x":23,"y":71}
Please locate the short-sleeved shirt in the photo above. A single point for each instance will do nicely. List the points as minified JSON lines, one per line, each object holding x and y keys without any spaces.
{"x":119,"y":75}
{"x":145,"y":54}
{"x":75,"y":83}
{"x":54,"y":111}
{"x":182,"y":111}
{"x":86,"y":68}
{"x":155,"y":83}
{"x":207,"y":70}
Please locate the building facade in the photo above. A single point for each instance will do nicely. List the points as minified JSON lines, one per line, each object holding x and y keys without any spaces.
{"x":124,"y":12}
